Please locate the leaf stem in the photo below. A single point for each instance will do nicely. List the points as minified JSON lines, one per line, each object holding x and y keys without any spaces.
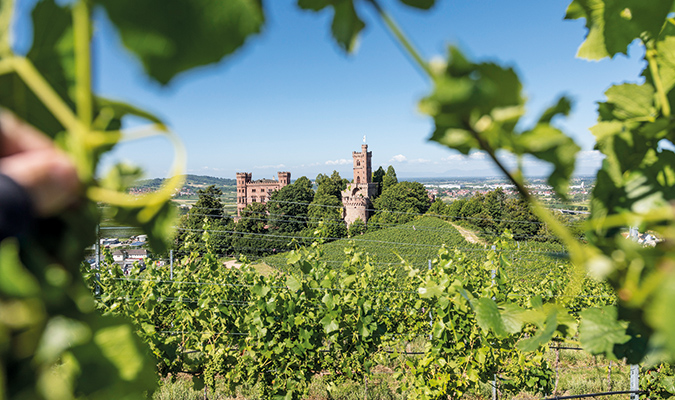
{"x":82,"y":33}
{"x":402,"y":38}
{"x":34,"y":80}
{"x":658,"y":84}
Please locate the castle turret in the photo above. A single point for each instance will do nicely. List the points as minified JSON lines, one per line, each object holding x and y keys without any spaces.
{"x":357,"y":198}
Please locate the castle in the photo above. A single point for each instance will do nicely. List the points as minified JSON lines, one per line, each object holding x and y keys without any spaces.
{"x":250,"y":191}
{"x":356,"y":199}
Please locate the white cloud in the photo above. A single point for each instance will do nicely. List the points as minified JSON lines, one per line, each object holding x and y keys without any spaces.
{"x":278,"y":166}
{"x":420,"y":161}
{"x":478,"y":155}
{"x":399,"y":158}
{"x":342,"y":161}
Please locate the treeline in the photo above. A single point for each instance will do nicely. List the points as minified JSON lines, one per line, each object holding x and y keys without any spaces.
{"x":494,"y":212}
{"x":297,"y":215}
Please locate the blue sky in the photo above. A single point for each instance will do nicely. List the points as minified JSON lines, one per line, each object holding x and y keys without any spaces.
{"x":292,"y":100}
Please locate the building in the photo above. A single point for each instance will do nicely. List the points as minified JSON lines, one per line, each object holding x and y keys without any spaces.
{"x":250,"y":191}
{"x":357,"y":198}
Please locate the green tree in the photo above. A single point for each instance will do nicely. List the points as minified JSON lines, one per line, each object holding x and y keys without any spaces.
{"x":401,"y":202}
{"x":454,"y":209}
{"x":330,"y":185}
{"x":250,"y":230}
{"x":378,"y":176}
{"x":438,"y":208}
{"x":357,"y":227}
{"x":208,"y":210}
{"x":493,"y":211}
{"x":520,"y":220}
{"x":288,"y":207}
{"x":327,"y":211}
{"x":389,"y":178}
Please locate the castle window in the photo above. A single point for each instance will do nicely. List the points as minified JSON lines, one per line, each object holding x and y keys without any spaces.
{"x":253,"y":190}
{"x":358,"y":179}
{"x":253,"y":199}
{"x":358,"y":163}
{"x":262,"y":189}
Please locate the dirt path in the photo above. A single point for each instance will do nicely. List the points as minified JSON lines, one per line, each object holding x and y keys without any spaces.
{"x":469,"y":235}
{"x":232,"y":263}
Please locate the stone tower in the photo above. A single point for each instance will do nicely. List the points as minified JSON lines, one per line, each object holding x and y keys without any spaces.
{"x":356,"y":199}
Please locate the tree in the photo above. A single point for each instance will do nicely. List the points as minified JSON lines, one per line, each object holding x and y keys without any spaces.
{"x":357,"y":227}
{"x":288,"y":206}
{"x":327,"y":211}
{"x":438,"y":208}
{"x":389,"y":178}
{"x":378,"y":176}
{"x":249,"y":238}
{"x":208,"y":210}
{"x":332,"y":186}
{"x":455,"y":208}
{"x":493,"y":208}
{"x":401,"y":202}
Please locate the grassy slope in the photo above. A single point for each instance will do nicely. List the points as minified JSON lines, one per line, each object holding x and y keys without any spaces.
{"x":416,"y":242}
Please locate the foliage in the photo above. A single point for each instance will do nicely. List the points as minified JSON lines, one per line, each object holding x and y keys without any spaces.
{"x":356,"y":228}
{"x":389,"y":178}
{"x":400,"y":203}
{"x":209,"y":210}
{"x":288,"y":206}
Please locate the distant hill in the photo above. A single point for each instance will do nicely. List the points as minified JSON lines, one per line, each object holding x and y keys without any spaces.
{"x":190,"y":181}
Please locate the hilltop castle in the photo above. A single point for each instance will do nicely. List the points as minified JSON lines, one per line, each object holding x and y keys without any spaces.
{"x":356,"y":199}
{"x":250,"y":191}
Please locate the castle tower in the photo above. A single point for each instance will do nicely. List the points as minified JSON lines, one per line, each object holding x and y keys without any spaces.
{"x":284,"y":178}
{"x":363,"y":171}
{"x":357,"y":198}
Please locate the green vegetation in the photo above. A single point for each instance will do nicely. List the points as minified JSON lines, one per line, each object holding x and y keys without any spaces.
{"x":275,"y":332}
{"x":415,"y":242}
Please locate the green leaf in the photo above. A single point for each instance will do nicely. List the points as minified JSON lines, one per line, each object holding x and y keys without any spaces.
{"x":550,"y":144}
{"x":488,"y":317}
{"x":122,"y":109}
{"x":511,"y":317}
{"x":293,"y":283}
{"x":562,"y":107}
{"x":614,"y":24}
{"x":543,"y":335}
{"x":630,"y":101}
{"x":600,"y":330}
{"x":172,"y":36}
{"x":346,"y":25}
{"x":346,"y":22}
{"x":52,"y":55}
{"x":6,"y":10}
{"x":423,"y":4}
{"x":16,"y":280}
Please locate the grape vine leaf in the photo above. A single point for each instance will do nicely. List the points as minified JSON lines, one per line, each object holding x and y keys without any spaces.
{"x":488,"y":317}
{"x":544,"y":333}
{"x":172,"y":36}
{"x":16,"y":280}
{"x":599,"y":330}
{"x":423,"y":4}
{"x":614,"y":24}
{"x":346,"y":24}
{"x":51,"y":53}
{"x":476,"y":106}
